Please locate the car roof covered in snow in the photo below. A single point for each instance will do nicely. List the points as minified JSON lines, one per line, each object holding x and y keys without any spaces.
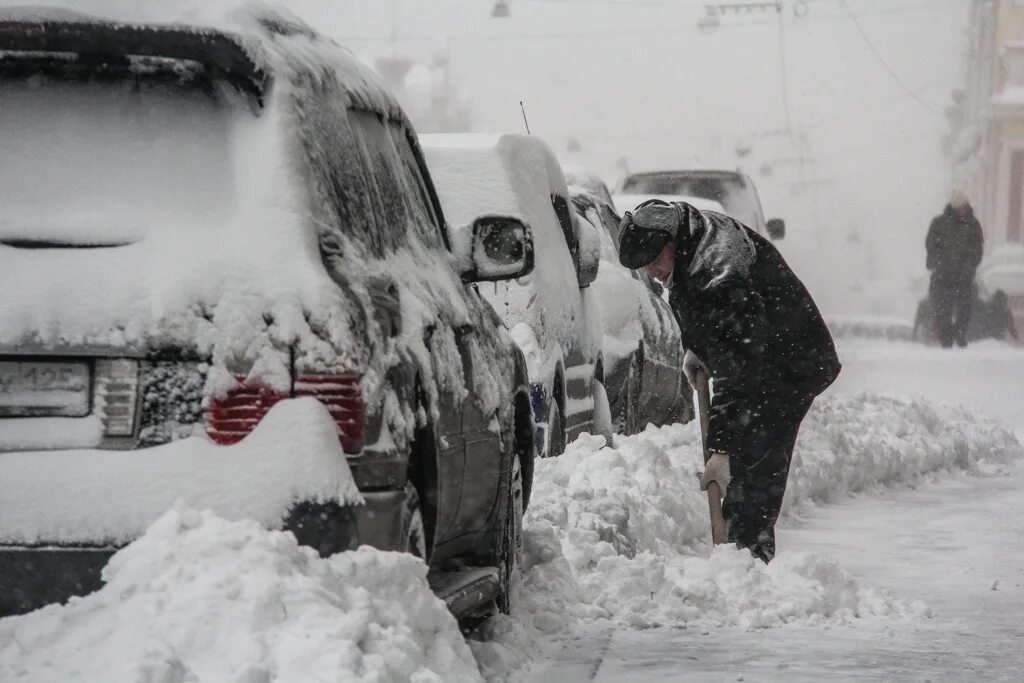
{"x":253,"y":44}
{"x":494,"y":160}
{"x":583,"y":177}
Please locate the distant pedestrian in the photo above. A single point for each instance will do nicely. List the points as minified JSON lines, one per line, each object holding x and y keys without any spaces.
{"x":747,"y":319}
{"x":954,"y":244}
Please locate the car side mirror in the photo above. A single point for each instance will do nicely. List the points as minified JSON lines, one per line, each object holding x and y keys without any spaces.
{"x":501,"y":249}
{"x":776,"y":228}
{"x":590,"y":253}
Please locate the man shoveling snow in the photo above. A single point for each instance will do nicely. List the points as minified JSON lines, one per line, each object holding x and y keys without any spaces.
{"x":748,"y":321}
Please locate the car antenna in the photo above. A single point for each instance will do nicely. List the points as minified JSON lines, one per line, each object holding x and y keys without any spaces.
{"x":525,"y":120}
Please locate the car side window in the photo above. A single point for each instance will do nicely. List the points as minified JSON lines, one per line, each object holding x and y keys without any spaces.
{"x":425,"y":220}
{"x":341,"y":199}
{"x":386,"y":167}
{"x":561,"y":206}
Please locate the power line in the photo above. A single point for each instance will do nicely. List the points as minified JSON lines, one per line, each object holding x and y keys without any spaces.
{"x":881,"y":60}
{"x":872,"y":105}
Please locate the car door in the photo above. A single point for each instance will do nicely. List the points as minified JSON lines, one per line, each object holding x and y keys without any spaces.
{"x":410,"y":287}
{"x":579,"y":360}
{"x":478,"y":347}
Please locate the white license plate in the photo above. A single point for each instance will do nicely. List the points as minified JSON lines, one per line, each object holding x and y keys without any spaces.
{"x":44,"y":389}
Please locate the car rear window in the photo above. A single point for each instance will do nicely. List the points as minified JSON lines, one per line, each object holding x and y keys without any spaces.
{"x":104,"y":162}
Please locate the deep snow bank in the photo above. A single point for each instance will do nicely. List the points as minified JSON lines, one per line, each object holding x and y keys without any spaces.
{"x":621,"y":534}
{"x":201,"y":599}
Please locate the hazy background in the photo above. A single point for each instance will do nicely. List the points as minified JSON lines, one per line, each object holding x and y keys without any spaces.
{"x":635,"y":84}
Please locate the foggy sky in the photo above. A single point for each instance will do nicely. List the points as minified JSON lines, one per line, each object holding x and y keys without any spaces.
{"x":637,"y":80}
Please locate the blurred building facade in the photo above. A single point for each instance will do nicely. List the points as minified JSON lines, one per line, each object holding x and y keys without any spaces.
{"x":986,"y":144}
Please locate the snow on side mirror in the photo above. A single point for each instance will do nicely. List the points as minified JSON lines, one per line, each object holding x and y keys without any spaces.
{"x":590,"y":252}
{"x":776,"y":228}
{"x":501,"y":249}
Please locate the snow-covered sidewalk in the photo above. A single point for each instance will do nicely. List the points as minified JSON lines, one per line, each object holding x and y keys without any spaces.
{"x":956,"y":543}
{"x":952,"y":539}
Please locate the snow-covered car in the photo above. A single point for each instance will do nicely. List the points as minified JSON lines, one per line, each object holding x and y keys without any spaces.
{"x":643,"y":350}
{"x":551,"y":313}
{"x":628,"y":202}
{"x":734,"y":190}
{"x":227,"y":280}
{"x":581,"y":177}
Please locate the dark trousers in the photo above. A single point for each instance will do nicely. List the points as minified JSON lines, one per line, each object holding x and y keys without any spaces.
{"x":951,"y":306}
{"x":754,"y":496}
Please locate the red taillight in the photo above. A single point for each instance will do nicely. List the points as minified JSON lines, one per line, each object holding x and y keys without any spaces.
{"x":230,"y":418}
{"x":344,"y":401}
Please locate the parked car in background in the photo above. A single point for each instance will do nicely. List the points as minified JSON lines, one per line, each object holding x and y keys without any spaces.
{"x":643,"y":351}
{"x":628,"y":202}
{"x":581,"y":177}
{"x":734,"y":190}
{"x":227,"y":279}
{"x":552,"y":314}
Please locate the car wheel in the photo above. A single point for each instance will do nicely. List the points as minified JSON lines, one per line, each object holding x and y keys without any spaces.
{"x":511,"y":547}
{"x":631,"y":418}
{"x":414,"y":534}
{"x":556,"y":430}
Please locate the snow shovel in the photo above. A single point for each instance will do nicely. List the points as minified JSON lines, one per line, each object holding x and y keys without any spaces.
{"x":714,"y":493}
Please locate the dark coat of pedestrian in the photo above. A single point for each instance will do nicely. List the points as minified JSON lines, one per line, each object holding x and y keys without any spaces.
{"x":746,"y":315}
{"x":954,"y":246}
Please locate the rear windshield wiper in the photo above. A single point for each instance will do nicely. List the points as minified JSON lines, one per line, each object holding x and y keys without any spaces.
{"x":29,"y":243}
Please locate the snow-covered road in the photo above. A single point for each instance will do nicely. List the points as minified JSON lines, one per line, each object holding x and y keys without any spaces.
{"x":901,"y":558}
{"x":954,"y":541}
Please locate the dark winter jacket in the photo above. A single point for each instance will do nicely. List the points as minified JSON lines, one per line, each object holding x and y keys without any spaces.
{"x":749,"y":318}
{"x":954,"y":246}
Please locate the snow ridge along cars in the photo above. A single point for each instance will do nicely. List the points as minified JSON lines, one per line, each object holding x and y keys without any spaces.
{"x":553,"y":317}
{"x":227,"y":279}
{"x":643,"y":350}
{"x":735,"y":191}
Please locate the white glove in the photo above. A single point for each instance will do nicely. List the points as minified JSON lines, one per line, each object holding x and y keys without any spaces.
{"x":691,"y":364}
{"x":716,"y":470}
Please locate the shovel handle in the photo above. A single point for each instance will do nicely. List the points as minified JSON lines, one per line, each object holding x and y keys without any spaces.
{"x":718,"y":535}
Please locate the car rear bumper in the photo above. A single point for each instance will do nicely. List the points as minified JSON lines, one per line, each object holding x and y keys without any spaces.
{"x":91,"y":497}
{"x":34,"y":576}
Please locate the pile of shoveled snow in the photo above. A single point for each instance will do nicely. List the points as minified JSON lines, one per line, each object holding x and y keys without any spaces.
{"x":621,"y":534}
{"x":642,"y":496}
{"x":198,"y":598}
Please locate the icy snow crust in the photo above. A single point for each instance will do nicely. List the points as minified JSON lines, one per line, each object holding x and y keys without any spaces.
{"x":248,"y":287}
{"x":96,"y":496}
{"x":202,"y":599}
{"x":620,"y":535}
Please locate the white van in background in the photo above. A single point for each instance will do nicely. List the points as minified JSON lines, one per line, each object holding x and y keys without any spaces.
{"x":734,"y":190}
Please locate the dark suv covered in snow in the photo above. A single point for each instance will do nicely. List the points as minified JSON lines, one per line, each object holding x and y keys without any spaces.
{"x":226,"y":280}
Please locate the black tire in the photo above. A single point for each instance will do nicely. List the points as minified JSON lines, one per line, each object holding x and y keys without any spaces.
{"x":414,"y":533}
{"x":631,"y":420}
{"x":511,"y":535}
{"x":556,"y":430}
